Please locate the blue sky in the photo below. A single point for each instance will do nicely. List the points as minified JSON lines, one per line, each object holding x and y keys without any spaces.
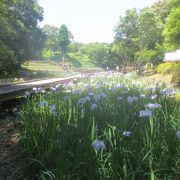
{"x":88,"y":20}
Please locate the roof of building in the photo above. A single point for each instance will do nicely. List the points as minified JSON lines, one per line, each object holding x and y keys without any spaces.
{"x":173,"y":56}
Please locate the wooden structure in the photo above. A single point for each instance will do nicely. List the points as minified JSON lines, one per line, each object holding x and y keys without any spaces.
{"x":12,"y":91}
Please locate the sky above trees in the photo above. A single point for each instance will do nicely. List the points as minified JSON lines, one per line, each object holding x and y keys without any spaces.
{"x":88,"y":20}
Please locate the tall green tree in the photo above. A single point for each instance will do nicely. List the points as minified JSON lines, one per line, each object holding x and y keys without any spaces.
{"x":162,"y":9}
{"x":138,"y":37}
{"x":126,"y":36}
{"x":20,"y":36}
{"x":172,"y":27}
{"x":51,"y":39}
{"x":149,"y":31}
{"x":64,"y":39}
{"x":97,"y":53}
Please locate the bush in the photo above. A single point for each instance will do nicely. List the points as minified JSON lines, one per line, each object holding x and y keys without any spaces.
{"x":176,"y":77}
{"x":168,"y":68}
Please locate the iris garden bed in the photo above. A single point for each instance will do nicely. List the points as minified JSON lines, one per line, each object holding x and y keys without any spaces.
{"x":106,"y":126}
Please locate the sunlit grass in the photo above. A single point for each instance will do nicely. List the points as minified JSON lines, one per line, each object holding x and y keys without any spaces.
{"x":42,"y":65}
{"x":34,"y":70}
{"x":167,"y":78}
{"x":45,"y":69}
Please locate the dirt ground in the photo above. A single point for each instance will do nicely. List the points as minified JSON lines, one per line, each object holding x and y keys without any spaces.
{"x":10,"y":150}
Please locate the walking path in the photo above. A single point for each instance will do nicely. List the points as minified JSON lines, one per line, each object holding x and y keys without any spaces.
{"x":10,"y":91}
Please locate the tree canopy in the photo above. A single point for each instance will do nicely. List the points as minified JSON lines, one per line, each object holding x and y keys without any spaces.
{"x":172,"y":27}
{"x":141,"y":36}
{"x":51,"y":34}
{"x":144,"y":36}
{"x":20,"y":36}
{"x":64,"y":38}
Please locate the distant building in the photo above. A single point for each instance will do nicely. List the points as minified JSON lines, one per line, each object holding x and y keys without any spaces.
{"x":172,"y":57}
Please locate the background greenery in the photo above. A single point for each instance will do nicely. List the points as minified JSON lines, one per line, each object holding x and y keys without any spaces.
{"x":140,"y":37}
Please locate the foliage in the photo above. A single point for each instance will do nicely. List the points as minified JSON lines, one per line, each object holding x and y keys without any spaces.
{"x":20,"y":36}
{"x":114,"y":56}
{"x":137,"y":36}
{"x":96,"y":52}
{"x":144,"y":36}
{"x":162,"y":9}
{"x":107,"y":126}
{"x":167,"y":68}
{"x":145,"y":56}
{"x":51,"y":42}
{"x":140,"y":37}
{"x":150,"y":29}
{"x":64,"y":39}
{"x":81,"y":55}
{"x":172,"y":26}
{"x":74,"y":47}
{"x":93,"y":53}
{"x":52,"y":48}
{"x":126,"y":33}
{"x":176,"y":77}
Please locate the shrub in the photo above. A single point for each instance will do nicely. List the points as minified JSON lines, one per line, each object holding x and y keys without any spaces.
{"x":176,"y":77}
{"x":167,"y":68}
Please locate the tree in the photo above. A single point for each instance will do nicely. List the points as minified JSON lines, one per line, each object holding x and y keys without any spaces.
{"x":126,"y":35}
{"x":20,"y":36}
{"x":74,"y":47}
{"x":137,"y":37}
{"x":114,"y":56}
{"x":51,"y":38}
{"x":97,"y":53}
{"x":64,"y":39}
{"x":162,"y":9}
{"x":150,"y":29}
{"x":172,"y":29}
{"x":150,"y":34}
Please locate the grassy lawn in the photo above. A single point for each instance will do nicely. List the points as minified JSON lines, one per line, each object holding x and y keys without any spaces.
{"x":33,"y":70}
{"x":46,"y":69}
{"x":158,"y":78}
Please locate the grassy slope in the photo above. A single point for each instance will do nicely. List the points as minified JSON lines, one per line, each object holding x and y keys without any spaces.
{"x":36,"y":70}
{"x":76,"y":60}
{"x":32,"y":70}
{"x":46,"y":69}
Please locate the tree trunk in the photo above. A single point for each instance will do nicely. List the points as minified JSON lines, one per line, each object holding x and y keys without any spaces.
{"x":63,"y":57}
